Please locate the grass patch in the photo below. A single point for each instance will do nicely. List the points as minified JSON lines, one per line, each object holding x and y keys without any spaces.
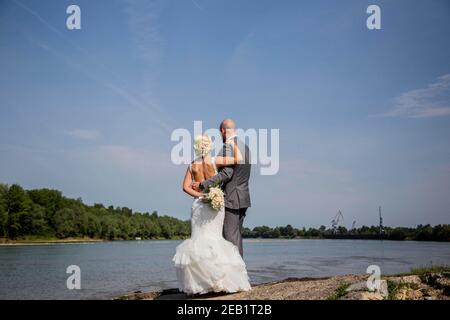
{"x":427,"y":275}
{"x":33,"y":238}
{"x":393,"y":288}
{"x":433,"y":277}
{"x":421,"y":271}
{"x":340,"y":292}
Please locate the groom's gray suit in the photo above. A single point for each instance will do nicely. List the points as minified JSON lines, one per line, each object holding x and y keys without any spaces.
{"x":234,"y":180}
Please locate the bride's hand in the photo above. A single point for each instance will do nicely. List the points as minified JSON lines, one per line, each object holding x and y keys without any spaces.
{"x":196,"y":186}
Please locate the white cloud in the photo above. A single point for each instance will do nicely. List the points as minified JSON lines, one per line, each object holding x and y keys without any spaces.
{"x":432,"y":101}
{"x":85,"y":134}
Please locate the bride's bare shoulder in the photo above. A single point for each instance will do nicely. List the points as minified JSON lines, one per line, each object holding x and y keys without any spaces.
{"x":196,"y":166}
{"x":203,"y":168}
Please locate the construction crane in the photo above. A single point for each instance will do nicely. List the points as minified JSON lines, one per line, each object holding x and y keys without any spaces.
{"x":335,"y":222}
{"x":381,"y":230}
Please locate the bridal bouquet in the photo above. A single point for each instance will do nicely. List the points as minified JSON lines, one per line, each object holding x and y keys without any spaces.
{"x":215,"y":198}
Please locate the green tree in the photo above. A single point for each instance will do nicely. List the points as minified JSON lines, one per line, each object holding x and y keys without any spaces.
{"x":441,"y":233}
{"x":424,"y":233}
{"x":126,"y":227}
{"x":273,"y":233}
{"x":50,"y":200}
{"x":110,"y":227}
{"x":18,"y":206}
{"x":94,"y":226}
{"x":33,"y":222}
{"x":3,"y":221}
{"x":288,"y":231}
{"x":397,"y":234}
{"x":342,"y":230}
{"x":48,"y":212}
{"x":262,"y":231}
{"x":3,"y":212}
{"x":65,"y":222}
{"x":247,"y":233}
{"x":152,"y":229}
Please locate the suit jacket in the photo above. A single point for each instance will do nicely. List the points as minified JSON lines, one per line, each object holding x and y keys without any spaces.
{"x":234,"y":179}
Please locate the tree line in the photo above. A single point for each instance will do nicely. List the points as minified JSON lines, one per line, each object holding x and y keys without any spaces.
{"x":420,"y":233}
{"x":46,"y":213}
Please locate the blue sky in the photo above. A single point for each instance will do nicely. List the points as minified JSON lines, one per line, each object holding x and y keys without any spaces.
{"x":364,"y":116}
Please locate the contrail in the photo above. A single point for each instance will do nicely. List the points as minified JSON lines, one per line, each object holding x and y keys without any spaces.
{"x":197,"y":5}
{"x":52,"y":28}
{"x":132,"y":99}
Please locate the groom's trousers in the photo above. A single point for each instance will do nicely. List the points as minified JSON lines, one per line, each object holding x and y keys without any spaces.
{"x":232,"y":227}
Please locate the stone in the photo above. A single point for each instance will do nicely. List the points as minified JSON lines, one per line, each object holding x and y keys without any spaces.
{"x":363,"y":295}
{"x":413,"y":279}
{"x":173,"y":296}
{"x":359,"y":286}
{"x":371,"y":296}
{"x":408,"y":294}
{"x":362,"y":286}
{"x":383,"y":291}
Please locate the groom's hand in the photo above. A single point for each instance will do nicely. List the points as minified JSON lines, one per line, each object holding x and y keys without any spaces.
{"x":204,"y":199}
{"x":196,"y":186}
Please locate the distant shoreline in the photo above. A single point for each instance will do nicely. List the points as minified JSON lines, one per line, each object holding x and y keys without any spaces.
{"x":51,"y":217}
{"x":37,"y":242}
{"x":46,"y":242}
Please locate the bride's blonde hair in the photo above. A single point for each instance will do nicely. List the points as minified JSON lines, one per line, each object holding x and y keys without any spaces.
{"x":202,"y":145}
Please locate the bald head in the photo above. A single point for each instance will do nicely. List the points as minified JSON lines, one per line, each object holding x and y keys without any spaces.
{"x":228,"y":124}
{"x":227,"y":128}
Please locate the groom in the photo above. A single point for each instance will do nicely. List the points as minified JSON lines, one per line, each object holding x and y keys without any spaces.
{"x":234,"y":180}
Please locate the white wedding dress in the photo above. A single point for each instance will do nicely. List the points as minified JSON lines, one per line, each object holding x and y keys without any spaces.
{"x":207,"y":262}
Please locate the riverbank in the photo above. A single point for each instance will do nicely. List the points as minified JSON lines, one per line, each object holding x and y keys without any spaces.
{"x":32,"y":241}
{"x":420,"y":284}
{"x":37,"y":241}
{"x":44,"y":241}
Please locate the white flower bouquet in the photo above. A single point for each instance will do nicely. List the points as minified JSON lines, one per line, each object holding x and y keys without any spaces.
{"x":215,"y":197}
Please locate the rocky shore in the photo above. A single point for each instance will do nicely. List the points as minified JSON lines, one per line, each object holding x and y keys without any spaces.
{"x":422,"y":286}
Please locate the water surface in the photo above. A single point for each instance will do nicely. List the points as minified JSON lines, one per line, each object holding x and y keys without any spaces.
{"x":110,"y":269}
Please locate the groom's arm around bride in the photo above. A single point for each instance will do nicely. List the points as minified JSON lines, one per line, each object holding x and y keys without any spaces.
{"x":225,"y":173}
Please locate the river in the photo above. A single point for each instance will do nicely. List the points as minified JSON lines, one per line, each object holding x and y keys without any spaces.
{"x":110,"y":269}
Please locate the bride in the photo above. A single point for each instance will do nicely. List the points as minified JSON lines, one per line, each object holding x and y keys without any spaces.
{"x":207,"y":262}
